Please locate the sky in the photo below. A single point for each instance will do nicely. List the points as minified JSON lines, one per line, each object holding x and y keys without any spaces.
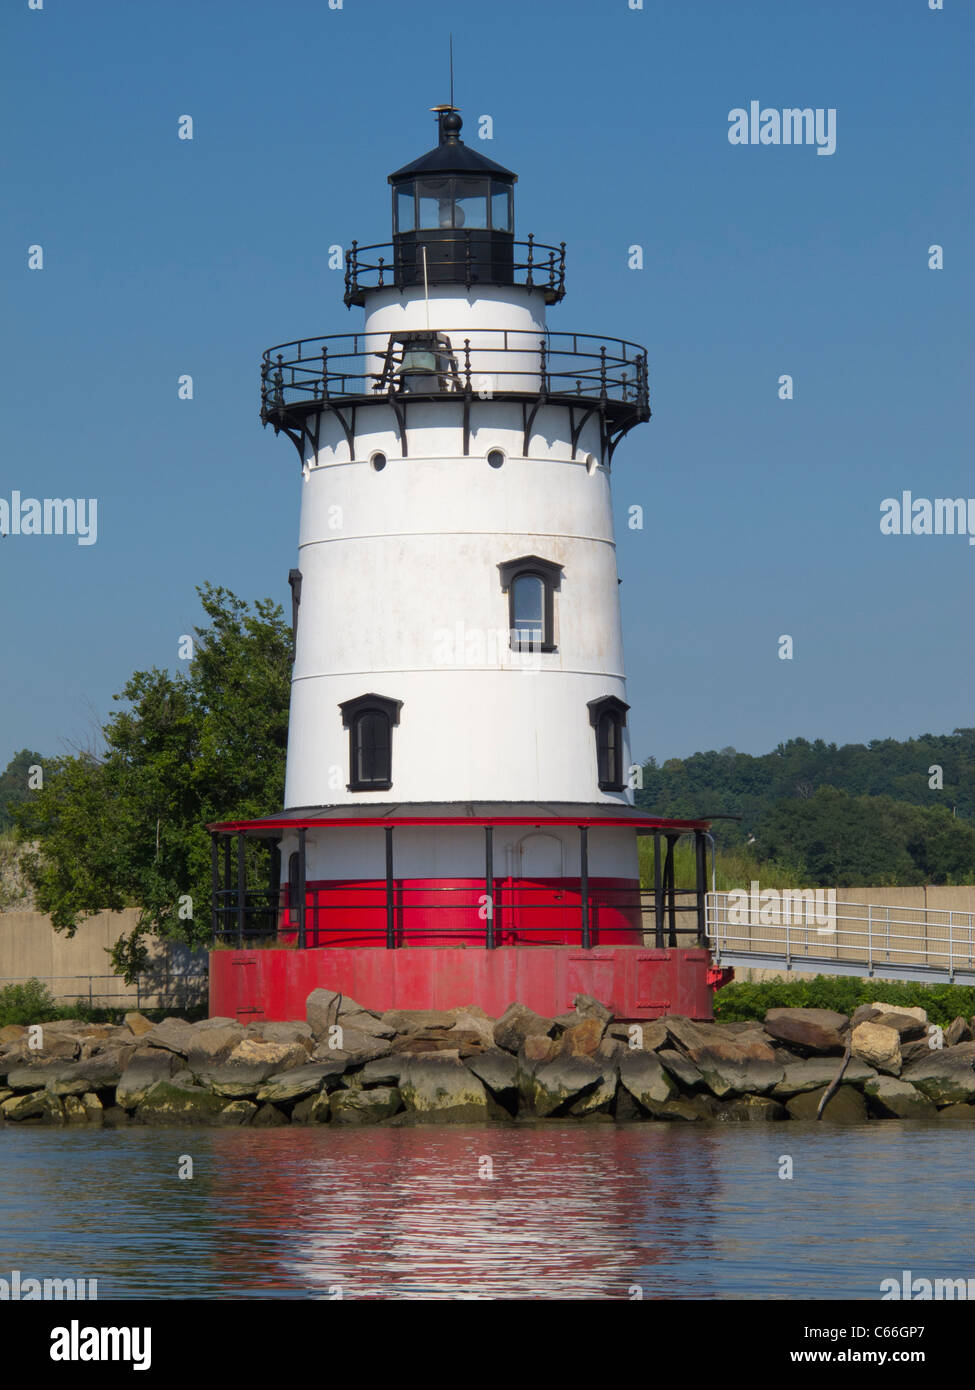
{"x":164,"y":257}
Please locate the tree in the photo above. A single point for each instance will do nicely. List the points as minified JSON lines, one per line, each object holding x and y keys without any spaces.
{"x":13,"y":785}
{"x":127,"y":828}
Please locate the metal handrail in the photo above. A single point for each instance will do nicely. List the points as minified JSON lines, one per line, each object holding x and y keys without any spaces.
{"x":539,"y":262}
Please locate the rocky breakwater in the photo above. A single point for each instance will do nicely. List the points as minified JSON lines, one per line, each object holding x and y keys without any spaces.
{"x":344,"y":1064}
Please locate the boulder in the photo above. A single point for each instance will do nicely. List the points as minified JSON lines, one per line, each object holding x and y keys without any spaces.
{"x":74,"y":1111}
{"x":295,"y":1032}
{"x":301,"y":1081}
{"x":355,"y":1047}
{"x":416,"y":1020}
{"x":643,"y":1076}
{"x":917,"y":1051}
{"x":536,"y":1049}
{"x":598,"y":1101}
{"x":728,"y":1065}
{"x":137,"y":1024}
{"x":94,"y":1109}
{"x":958,"y":1113}
{"x":812,"y":1030}
{"x":957,"y":1032}
{"x":916,"y":1012}
{"x":320,"y":1109}
{"x":37,"y":1107}
{"x":437,"y":1089}
{"x":322,"y":1010}
{"x":364,"y":1107}
{"x":944,"y":1076}
{"x":12,"y":1032}
{"x":438,"y":1040}
{"x":582,"y":1039}
{"x":169,"y":1103}
{"x":499,"y":1072}
{"x":683,"y":1071}
{"x":66,"y":1078}
{"x":238,"y":1112}
{"x":145,"y":1067}
{"x":518,"y":1023}
{"x":211,"y":1046}
{"x":864,"y":1013}
{"x":816,"y":1073}
{"x":382,"y":1071}
{"x":251,"y":1064}
{"x":473,"y":1023}
{"x":878,"y":1045}
{"x":588,"y":1007}
{"x":173,"y":1034}
{"x":690,"y":1109}
{"x":846,"y":1107}
{"x":269,"y":1117}
{"x":32,"y":1076}
{"x":907,"y":1027}
{"x":897,"y":1100}
{"x":557,"y":1083}
{"x":367,"y":1023}
{"x":114,"y":1117}
{"x":751,"y":1109}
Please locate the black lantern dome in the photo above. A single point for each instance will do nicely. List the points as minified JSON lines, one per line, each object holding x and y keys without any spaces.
{"x":456,"y":206}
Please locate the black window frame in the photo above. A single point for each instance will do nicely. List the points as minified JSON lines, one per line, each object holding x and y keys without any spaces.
{"x":353,"y":712}
{"x":613,"y":708}
{"x":551,"y":576}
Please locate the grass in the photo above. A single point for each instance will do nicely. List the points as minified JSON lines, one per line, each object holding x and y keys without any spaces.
{"x":844,"y":993}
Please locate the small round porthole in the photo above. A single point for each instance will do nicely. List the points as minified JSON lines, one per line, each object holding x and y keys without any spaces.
{"x":592,"y":463}
{"x":378,"y":461}
{"x":495,"y":457}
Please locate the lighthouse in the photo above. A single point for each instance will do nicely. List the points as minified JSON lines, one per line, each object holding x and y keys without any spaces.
{"x":459,"y":820}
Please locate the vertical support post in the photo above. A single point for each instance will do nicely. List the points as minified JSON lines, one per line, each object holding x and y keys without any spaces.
{"x":670,"y":890}
{"x":214,"y":886}
{"x":241,"y":886}
{"x":301,"y":888}
{"x":658,"y":893}
{"x":390,"y":891}
{"x":274,"y":886}
{"x":701,"y":865}
{"x":584,"y":884}
{"x":489,"y":939}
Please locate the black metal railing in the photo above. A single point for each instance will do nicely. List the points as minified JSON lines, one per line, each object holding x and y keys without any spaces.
{"x":471,"y":361}
{"x":454,"y":258}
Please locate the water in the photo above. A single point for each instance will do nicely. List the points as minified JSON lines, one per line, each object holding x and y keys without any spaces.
{"x":572,"y":1211}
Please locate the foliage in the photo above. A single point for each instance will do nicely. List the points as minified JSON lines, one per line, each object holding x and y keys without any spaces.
{"x":31,"y":1002}
{"x":733,"y":868}
{"x":128,"y":828}
{"x":13,"y":785}
{"x":844,"y":993}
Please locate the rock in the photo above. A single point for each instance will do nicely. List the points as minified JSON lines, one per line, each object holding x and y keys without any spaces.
{"x":681,"y":1069}
{"x":727,"y":1065}
{"x":610,"y":1051}
{"x":39,"y":1107}
{"x":355,"y":1047}
{"x":437,"y":1041}
{"x":907,"y":1027}
{"x":360,"y":1107}
{"x":74,"y":1112}
{"x":847,"y":1106}
{"x":382,"y":1071}
{"x":169,"y":1103}
{"x":813,"y":1030}
{"x":269,"y":1117}
{"x":944,"y":1076}
{"x":301,"y":1113}
{"x":212,"y":1046}
{"x":473,"y":1023}
{"x":879,"y":1045}
{"x":439,"y":1089}
{"x":816,"y":1073}
{"x":915,"y":1052}
{"x":864,"y":1013}
{"x":651,"y":1037}
{"x":367,"y":1023}
{"x":599,"y":1100}
{"x":146,"y":1066}
{"x":137,"y":1024}
{"x":251,"y":1064}
{"x":322,"y":1010}
{"x":173,"y":1034}
{"x":963,"y":1114}
{"x":321,"y":1108}
{"x":499,"y":1072}
{"x":643,"y":1076}
{"x":751,"y":1109}
{"x":918,"y":1013}
{"x":238,"y":1112}
{"x":562,"y":1080}
{"x":94,"y":1109}
{"x":12,"y":1032}
{"x":692,"y":1109}
{"x":897,"y":1100}
{"x":518,"y":1023}
{"x":66,"y":1078}
{"x":283,"y":1033}
{"x":32,"y":1076}
{"x":957,"y":1032}
{"x":114,"y":1117}
{"x":588,"y":1007}
{"x":302,"y":1081}
{"x":53,"y":1046}
{"x":416,"y":1020}
{"x":583,"y":1038}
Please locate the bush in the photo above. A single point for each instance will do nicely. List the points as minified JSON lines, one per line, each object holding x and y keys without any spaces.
{"x":845,"y":993}
{"x":31,"y":1002}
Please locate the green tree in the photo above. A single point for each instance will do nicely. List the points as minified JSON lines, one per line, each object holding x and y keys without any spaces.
{"x":13,"y":785}
{"x":127,"y":828}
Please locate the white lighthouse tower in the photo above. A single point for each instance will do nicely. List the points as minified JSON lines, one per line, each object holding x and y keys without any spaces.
{"x":458,"y":752}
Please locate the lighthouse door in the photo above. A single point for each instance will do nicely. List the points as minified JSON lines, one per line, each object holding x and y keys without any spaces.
{"x":539,"y":888}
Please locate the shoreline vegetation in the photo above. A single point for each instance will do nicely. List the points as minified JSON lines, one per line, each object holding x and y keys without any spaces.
{"x":345,"y":1064}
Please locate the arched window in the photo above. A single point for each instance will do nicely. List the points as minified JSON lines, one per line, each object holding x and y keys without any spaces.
{"x":608,"y":718}
{"x":530,"y":583}
{"x":370,"y":720}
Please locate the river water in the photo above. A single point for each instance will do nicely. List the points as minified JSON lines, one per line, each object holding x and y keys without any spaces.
{"x":578,"y":1211}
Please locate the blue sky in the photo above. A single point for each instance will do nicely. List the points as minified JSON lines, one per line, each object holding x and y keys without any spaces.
{"x":164,"y":257}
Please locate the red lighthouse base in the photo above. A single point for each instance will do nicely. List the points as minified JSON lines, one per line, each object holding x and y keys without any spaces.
{"x":636,"y":982}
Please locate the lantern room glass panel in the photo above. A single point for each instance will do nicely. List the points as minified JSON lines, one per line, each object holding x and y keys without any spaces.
{"x":434,"y":204}
{"x":404,"y":208}
{"x":471,"y":203}
{"x":502,"y":211}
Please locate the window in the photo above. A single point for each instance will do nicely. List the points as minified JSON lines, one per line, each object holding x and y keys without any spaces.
{"x":434,"y":203}
{"x":370,"y":720}
{"x":294,"y":579}
{"x":608,"y":718}
{"x":470,"y":203}
{"x":404,"y":211}
{"x":501,"y":201}
{"x":496,"y":458}
{"x":530,"y":584}
{"x":293,"y":889}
